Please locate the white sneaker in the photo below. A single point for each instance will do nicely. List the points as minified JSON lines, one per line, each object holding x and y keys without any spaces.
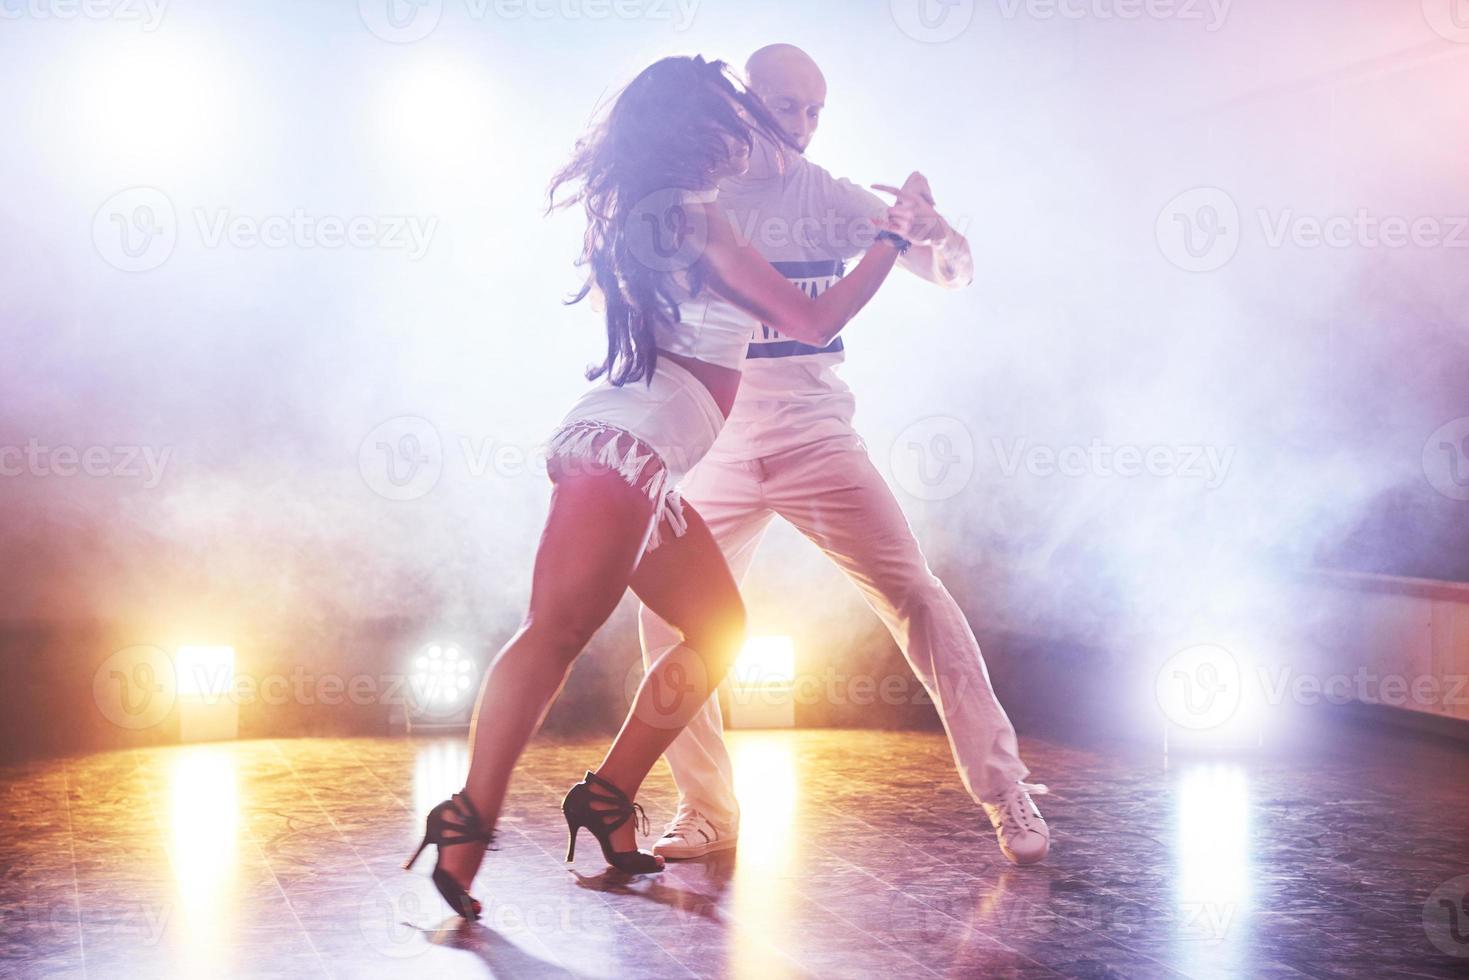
{"x":1022,"y":831}
{"x":692,"y":835}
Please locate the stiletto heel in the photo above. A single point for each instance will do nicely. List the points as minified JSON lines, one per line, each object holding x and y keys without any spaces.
{"x":579,"y":813}
{"x":468,"y":828}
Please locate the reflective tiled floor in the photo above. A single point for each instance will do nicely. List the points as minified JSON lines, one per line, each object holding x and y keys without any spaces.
{"x":859,"y":856}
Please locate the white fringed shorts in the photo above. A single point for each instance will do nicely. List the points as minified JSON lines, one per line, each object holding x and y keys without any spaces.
{"x":673,"y":420}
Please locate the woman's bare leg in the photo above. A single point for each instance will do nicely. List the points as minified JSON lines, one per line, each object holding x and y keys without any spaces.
{"x":686,"y":582}
{"x":588,"y":551}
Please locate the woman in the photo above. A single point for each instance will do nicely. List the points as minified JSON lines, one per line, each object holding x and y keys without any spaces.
{"x":682,"y":297}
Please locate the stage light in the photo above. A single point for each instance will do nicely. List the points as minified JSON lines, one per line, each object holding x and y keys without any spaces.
{"x":766,"y":661}
{"x":761,"y":686}
{"x":440,"y":688}
{"x":205,"y":671}
{"x":205,"y":679}
{"x":435,"y":120}
{"x":1211,"y":701}
{"x":168,"y":104}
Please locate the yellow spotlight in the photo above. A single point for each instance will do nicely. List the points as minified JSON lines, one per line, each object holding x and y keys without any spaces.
{"x":206,"y":679}
{"x":761,"y":690}
{"x":766,"y":661}
{"x":205,"y":672}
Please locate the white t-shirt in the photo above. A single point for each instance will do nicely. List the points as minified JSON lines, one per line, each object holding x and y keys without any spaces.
{"x":807,"y":224}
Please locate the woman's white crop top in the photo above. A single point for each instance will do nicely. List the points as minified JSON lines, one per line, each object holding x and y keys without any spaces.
{"x":710,"y":327}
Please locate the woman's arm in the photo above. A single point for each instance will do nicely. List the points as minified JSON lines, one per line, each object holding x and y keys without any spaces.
{"x":741,"y":275}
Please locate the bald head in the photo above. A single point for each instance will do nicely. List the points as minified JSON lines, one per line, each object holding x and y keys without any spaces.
{"x":792,"y":86}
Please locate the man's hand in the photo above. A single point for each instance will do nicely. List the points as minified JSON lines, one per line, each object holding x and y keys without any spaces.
{"x":915,"y":206}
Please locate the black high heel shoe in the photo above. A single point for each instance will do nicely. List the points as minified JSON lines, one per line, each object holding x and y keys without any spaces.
{"x":602,"y":822}
{"x":467,"y":829}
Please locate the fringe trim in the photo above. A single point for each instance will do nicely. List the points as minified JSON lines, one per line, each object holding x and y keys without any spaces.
{"x":577,"y":440}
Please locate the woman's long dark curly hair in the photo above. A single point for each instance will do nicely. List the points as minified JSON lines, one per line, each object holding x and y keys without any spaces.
{"x":669,"y":130}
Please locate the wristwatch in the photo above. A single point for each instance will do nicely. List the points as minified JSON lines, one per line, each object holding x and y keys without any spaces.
{"x":896,"y":240}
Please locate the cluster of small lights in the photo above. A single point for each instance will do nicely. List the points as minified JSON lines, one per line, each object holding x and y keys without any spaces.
{"x":442,"y":674}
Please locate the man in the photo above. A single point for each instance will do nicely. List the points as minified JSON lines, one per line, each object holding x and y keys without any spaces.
{"x":789,"y":448}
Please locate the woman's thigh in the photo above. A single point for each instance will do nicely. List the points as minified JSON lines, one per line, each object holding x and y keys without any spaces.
{"x":686,"y":582}
{"x":590,"y":546}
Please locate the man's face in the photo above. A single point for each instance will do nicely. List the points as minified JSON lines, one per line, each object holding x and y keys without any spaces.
{"x":796,"y":98}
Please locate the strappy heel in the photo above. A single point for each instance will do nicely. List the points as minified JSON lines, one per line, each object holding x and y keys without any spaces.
{"x":467,"y":828}
{"x":602,"y":821}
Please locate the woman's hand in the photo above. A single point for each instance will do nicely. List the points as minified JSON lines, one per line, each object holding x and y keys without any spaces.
{"x":914,"y":210}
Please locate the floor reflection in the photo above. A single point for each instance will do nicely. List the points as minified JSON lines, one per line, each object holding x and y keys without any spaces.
{"x":860,"y":855}
{"x":439,"y":766}
{"x":1214,"y":861}
{"x":204,"y":828}
{"x":765,"y":782}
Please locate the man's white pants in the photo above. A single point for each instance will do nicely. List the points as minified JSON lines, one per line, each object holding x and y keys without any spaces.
{"x":832,"y":493}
